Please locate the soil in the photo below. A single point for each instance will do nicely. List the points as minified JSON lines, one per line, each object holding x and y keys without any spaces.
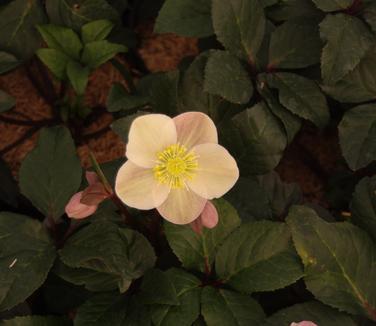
{"x":308,"y":161}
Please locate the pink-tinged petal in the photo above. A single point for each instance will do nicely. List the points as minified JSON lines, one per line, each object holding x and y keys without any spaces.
{"x":182,"y":206}
{"x":138,"y":188}
{"x":91,"y":177}
{"x":148,"y":135}
{"x":217,"y":171}
{"x":194,"y":128}
{"x":94,"y":194}
{"x":196,"y":226}
{"x":304,"y":323}
{"x":209,"y":216}
{"x":75,"y":209}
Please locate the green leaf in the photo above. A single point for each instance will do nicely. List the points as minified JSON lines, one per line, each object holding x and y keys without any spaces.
{"x":295,"y":44}
{"x":224,"y":307}
{"x":258,"y":256}
{"x":51,"y":172}
{"x":186,"y":18}
{"x":314,"y":311}
{"x":97,"y":30}
{"x":76,"y":13}
{"x":27,"y":256}
{"x":55,"y":60}
{"x":357,"y":132}
{"x":188,"y":290}
{"x":99,"y":52}
{"x":36,"y":321}
{"x":264,"y":197}
{"x":78,"y":76}
{"x":344,"y":48}
{"x":261,"y":138}
{"x":239,"y":26}
{"x":62,"y":39}
{"x":7,"y":62}
{"x":332,"y":5}
{"x":363,"y":205}
{"x":301,"y":96}
{"x":17,"y":33}
{"x":131,"y":254}
{"x":369,"y":14}
{"x":225,"y":76}
{"x":6,"y":101}
{"x":339,"y":261}
{"x":198,"y":251}
{"x":8,"y":186}
{"x":119,"y":99}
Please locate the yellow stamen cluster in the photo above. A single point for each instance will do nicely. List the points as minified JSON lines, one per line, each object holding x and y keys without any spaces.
{"x":175,"y":165}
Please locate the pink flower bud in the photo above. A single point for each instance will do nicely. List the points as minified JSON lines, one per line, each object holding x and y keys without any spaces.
{"x":94,"y":194}
{"x":75,"y":209}
{"x":91,"y":177}
{"x":207,"y":219}
{"x":304,"y":323}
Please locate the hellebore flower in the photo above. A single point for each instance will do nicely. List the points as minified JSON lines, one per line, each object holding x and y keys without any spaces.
{"x":85,"y":203}
{"x":304,"y":323}
{"x":175,"y":165}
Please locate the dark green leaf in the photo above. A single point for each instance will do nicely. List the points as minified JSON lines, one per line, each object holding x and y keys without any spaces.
{"x":357,"y":132}
{"x":99,"y":52}
{"x":78,"y":76}
{"x":344,"y":48}
{"x":339,"y":261}
{"x":258,"y":256}
{"x":239,"y":26}
{"x":332,"y":5}
{"x":27,"y":255}
{"x":295,"y":44}
{"x":8,"y":186}
{"x":313,"y":311}
{"x":369,"y":14}
{"x":97,"y":30}
{"x":225,"y":76}
{"x":120,"y":99}
{"x":55,"y":60}
{"x":7,"y":62}
{"x":18,"y":35}
{"x":51,"y":172}
{"x":37,"y":321}
{"x":224,"y":307}
{"x":62,"y":39}
{"x":363,"y":205}
{"x":301,"y":96}
{"x":6,"y":101}
{"x":186,"y":18}
{"x":198,"y":251}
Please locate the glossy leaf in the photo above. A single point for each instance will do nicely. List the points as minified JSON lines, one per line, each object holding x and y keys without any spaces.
{"x":97,"y":30}
{"x":7,"y":62}
{"x":119,"y":99}
{"x":78,"y":76}
{"x":55,"y":60}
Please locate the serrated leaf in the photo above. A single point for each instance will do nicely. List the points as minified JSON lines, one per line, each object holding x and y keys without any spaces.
{"x":258,"y":256}
{"x":295,"y":44}
{"x":17,"y":33}
{"x":36,"y":321}
{"x":6,"y":101}
{"x":198,"y":251}
{"x":78,"y":76}
{"x":313,"y":311}
{"x":239,"y":26}
{"x":119,"y":99}
{"x":363,"y":205}
{"x":97,"y":53}
{"x":357,"y":132}
{"x":62,"y":39}
{"x":7,"y":62}
{"x":131,"y":254}
{"x":344,"y":48}
{"x":339,"y":262}
{"x":224,"y":307}
{"x":76,"y":13}
{"x":186,"y":18}
{"x":225,"y":76}
{"x":51,"y":172}
{"x":97,"y":30}
{"x":301,"y":96}
{"x":55,"y":60}
{"x":27,"y":255}
{"x":332,"y":5}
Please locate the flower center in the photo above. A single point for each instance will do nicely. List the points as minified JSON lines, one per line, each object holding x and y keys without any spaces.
{"x":175,"y":165}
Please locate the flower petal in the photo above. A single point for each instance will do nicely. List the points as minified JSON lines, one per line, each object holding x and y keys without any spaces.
{"x":137,"y":187}
{"x":304,"y":323}
{"x":217,"y":171}
{"x":195,"y":128}
{"x":148,"y":135}
{"x":182,"y":206}
{"x":91,"y":177}
{"x":75,"y":209}
{"x":209,"y":216}
{"x":94,"y":194}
